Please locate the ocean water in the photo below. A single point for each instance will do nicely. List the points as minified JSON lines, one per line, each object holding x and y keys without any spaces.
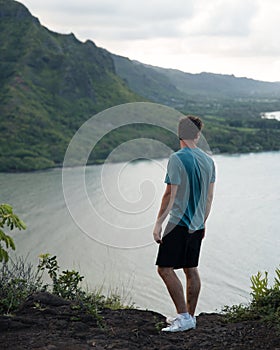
{"x":99,"y":222}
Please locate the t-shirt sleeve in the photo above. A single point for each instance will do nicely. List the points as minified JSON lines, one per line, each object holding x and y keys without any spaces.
{"x":173,"y":176}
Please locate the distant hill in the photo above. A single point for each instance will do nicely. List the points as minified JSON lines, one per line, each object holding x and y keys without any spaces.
{"x":220,"y":85}
{"x":49,"y":85}
{"x":174,"y":87}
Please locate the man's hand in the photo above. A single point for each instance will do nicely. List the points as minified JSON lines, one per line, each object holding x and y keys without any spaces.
{"x":204,"y":232}
{"x":157,"y":233}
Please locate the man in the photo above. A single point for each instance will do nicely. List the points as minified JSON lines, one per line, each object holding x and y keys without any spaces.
{"x":188,"y":197}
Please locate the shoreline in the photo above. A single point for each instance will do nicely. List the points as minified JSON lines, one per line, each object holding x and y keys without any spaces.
{"x":45,"y":170}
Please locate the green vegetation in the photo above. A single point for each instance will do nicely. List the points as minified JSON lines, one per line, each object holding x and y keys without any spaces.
{"x":241,"y":134}
{"x":66,"y":284}
{"x":158,"y":324}
{"x":265,"y":304}
{"x":10,"y":221}
{"x":19,"y":279}
{"x":223,"y":136}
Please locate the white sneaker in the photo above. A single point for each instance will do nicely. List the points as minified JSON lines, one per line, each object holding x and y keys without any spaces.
{"x":170,"y":319}
{"x":181,"y":323}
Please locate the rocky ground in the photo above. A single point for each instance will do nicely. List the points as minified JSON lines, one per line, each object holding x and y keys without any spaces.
{"x":47,"y":322}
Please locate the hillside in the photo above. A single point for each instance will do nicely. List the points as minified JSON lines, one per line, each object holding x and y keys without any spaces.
{"x":147,"y":81}
{"x":49,"y":85}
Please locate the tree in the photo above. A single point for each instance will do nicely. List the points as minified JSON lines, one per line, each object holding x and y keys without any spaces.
{"x":9,"y":220}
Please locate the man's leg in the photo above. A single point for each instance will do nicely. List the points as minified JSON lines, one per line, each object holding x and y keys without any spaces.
{"x":193,"y":288}
{"x":174,"y":287}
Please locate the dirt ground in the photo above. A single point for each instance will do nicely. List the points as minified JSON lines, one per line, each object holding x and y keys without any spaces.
{"x":47,"y":322}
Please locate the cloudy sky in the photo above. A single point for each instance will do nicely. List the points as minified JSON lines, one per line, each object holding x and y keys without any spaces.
{"x":239,"y":37}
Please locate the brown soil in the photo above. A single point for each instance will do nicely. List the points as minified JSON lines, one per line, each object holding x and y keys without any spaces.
{"x":47,"y":322}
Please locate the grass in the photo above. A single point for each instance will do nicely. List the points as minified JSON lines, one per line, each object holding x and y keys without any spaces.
{"x":17,"y":280}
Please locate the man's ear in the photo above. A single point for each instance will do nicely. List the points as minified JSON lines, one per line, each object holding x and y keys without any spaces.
{"x":197,"y":137}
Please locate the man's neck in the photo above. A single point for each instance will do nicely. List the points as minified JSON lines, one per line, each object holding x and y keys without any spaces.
{"x":188,"y":143}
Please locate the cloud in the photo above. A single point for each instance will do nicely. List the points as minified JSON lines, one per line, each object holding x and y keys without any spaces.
{"x":266,"y":28}
{"x":222,"y":18}
{"x":112,"y":19}
{"x":226,"y":36}
{"x":234,"y":29}
{"x":126,"y":9}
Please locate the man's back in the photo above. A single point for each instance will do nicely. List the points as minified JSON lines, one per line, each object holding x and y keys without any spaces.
{"x":192,"y":170}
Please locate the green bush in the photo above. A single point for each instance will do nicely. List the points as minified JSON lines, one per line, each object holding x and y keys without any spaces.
{"x":66,"y":284}
{"x":265,"y":303}
{"x":9,"y":220}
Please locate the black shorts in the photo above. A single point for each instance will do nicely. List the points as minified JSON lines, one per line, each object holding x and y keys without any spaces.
{"x":179,"y":247}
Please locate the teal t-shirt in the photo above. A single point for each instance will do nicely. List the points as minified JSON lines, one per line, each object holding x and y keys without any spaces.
{"x":192,"y":170}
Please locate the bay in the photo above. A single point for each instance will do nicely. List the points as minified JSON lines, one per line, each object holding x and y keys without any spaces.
{"x":100,"y":222}
{"x":271,"y":115}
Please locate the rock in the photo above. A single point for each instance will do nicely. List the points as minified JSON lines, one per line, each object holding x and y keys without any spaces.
{"x":44,"y":298}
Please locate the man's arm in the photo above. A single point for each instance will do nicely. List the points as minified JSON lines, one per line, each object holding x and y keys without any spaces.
{"x":209,"y":200}
{"x":166,"y":205}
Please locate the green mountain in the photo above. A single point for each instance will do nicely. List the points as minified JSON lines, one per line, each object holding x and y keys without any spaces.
{"x":49,"y":85}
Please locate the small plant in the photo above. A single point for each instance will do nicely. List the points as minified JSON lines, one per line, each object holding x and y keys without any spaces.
{"x":66,"y":284}
{"x":17,"y":281}
{"x":158,"y":324}
{"x":114,"y":302}
{"x":9,"y":220}
{"x":259,"y":286}
{"x":38,"y":306}
{"x":75,"y":319}
{"x":91,"y":303}
{"x":237,"y":313}
{"x":265,"y":304}
{"x":277,"y":279}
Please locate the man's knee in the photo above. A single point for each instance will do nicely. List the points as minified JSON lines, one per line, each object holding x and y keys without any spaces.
{"x":191,"y":272}
{"x":164,"y":272}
